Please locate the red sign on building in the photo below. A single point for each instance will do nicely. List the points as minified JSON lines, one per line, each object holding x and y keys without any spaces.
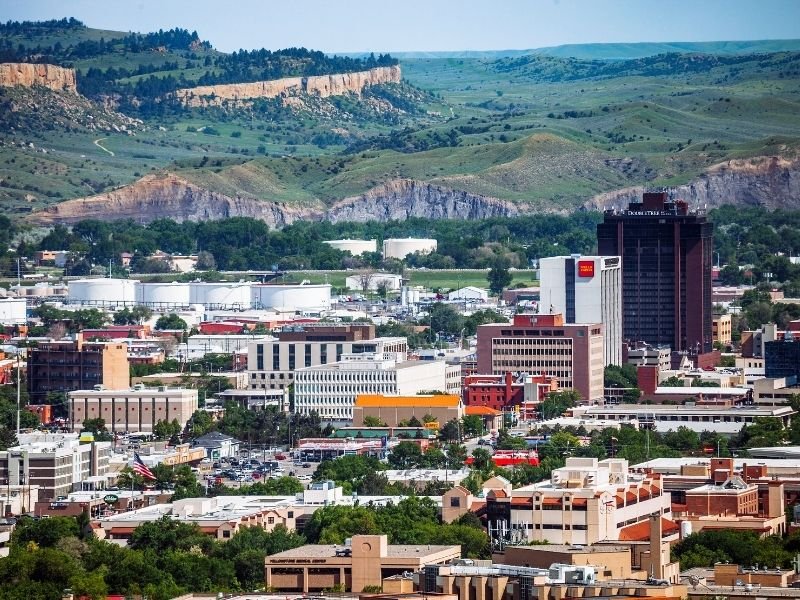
{"x":586,"y":268}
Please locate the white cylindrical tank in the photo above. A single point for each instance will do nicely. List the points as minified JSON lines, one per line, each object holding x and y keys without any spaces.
{"x":13,"y":311}
{"x":686,"y":529}
{"x":166,"y":294}
{"x":299,"y":297}
{"x":355,"y":247}
{"x":401,"y":247}
{"x":102,"y":292}
{"x":220,"y":295}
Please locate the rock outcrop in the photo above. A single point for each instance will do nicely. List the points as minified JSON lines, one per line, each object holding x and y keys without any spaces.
{"x":767,"y":181}
{"x":770,"y":182}
{"x":401,"y":199}
{"x":167,"y":196}
{"x":170,"y":196}
{"x":318,"y":85}
{"x":30,"y":74}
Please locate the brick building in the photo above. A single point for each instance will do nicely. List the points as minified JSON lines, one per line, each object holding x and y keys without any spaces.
{"x":66,"y":366}
{"x":504,"y":392}
{"x":569,"y":352}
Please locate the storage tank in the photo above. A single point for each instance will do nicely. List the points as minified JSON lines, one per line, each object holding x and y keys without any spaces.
{"x":13,"y":311}
{"x":102,"y":292}
{"x":163,"y":294}
{"x":298,"y":297}
{"x":355,"y":247}
{"x":220,"y":295}
{"x":401,"y":247}
{"x":686,"y":529}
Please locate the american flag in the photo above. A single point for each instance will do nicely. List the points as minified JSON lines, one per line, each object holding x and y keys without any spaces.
{"x":141,"y":468}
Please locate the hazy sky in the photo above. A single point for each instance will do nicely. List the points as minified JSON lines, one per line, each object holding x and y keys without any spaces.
{"x":380,"y":25}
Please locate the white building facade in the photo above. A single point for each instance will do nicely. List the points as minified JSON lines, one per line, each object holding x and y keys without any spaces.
{"x":586,"y":289}
{"x":331,"y":390}
{"x":271,"y":363}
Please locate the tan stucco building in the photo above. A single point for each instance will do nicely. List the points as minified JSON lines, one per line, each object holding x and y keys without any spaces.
{"x":367,"y":561}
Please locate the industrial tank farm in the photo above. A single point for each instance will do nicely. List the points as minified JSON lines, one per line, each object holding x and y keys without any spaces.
{"x":166,"y":295}
{"x":220,"y":295}
{"x":401,"y":247}
{"x":301,"y":297}
{"x":103,"y":292}
{"x":355,"y":247}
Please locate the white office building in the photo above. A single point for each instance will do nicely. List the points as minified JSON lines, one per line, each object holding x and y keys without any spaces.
{"x":586,"y":289}
{"x":272,"y":362}
{"x":331,"y":390}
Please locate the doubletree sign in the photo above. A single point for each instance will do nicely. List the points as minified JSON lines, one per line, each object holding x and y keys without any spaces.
{"x":111,"y":499}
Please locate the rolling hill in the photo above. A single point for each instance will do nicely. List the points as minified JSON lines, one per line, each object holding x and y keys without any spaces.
{"x":458,"y":136}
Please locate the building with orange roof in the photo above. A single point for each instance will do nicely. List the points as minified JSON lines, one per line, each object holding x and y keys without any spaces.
{"x":392,"y":410}
{"x":492,"y":419}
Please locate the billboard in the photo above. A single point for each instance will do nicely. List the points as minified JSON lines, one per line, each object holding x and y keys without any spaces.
{"x":585,"y":268}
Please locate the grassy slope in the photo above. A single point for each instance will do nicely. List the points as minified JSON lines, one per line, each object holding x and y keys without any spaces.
{"x":630,"y":130}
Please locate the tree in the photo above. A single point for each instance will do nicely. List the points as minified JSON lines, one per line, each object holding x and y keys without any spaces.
{"x":171,"y":321}
{"x":499,"y":276}
{"x":473,"y":425}
{"x":98,"y":428}
{"x":205,"y":261}
{"x":456,"y":456}
{"x":373,"y":421}
{"x":405,"y":455}
{"x":164,"y":430}
{"x":200,"y":423}
{"x":451,"y":431}
{"x":557,"y":403}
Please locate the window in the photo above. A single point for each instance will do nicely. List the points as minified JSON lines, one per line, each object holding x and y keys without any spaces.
{"x":455,"y":502}
{"x":270,"y":520}
{"x":226,"y":533}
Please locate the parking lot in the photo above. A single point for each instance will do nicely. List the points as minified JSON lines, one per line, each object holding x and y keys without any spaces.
{"x":244,"y":470}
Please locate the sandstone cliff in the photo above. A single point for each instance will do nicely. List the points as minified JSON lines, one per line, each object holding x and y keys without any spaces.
{"x":170,"y":196}
{"x":29,"y":75}
{"x":767,"y":181}
{"x":320,"y":85}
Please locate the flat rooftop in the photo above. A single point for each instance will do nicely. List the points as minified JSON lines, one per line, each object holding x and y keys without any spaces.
{"x":393,"y":551}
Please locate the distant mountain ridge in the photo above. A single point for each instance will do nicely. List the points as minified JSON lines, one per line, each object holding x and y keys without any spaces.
{"x":612,"y":51}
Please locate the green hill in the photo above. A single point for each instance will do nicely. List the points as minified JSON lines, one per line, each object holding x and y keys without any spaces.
{"x":534,"y":129}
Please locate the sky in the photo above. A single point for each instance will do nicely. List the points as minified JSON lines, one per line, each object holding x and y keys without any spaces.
{"x":429,"y":25}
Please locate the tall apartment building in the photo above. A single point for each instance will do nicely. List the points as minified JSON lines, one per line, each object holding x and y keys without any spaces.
{"x":586,"y":289}
{"x":132,"y":410}
{"x":57,"y":463}
{"x":666,"y":254}
{"x":545,"y":344}
{"x":271,"y":363}
{"x":66,"y":366}
{"x":331,"y":390}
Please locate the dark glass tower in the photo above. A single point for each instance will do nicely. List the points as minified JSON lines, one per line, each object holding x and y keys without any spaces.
{"x":666,"y":254}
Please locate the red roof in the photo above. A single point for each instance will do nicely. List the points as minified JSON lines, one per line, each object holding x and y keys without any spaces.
{"x":580,"y":501}
{"x":640,"y":532}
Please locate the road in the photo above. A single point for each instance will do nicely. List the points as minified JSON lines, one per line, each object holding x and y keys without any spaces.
{"x":103,"y":148}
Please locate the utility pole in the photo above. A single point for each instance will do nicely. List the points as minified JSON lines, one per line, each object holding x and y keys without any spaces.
{"x":19,"y":406}
{"x":19,"y":276}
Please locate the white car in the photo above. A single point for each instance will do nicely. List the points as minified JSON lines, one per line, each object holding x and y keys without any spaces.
{"x":304,"y":477}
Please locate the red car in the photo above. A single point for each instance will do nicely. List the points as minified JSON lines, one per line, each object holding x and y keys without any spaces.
{"x":280,"y":457}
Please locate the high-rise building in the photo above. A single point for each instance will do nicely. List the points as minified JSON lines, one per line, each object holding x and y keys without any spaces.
{"x":666,"y":254}
{"x":782,"y":358}
{"x":586,"y":289}
{"x":544,"y":344}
